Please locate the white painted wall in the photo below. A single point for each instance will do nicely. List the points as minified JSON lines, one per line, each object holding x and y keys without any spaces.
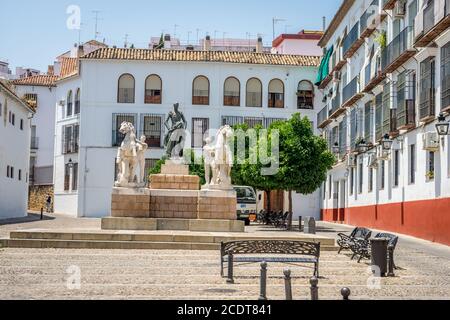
{"x":15,"y":152}
{"x":300,"y":47}
{"x":98,"y":83}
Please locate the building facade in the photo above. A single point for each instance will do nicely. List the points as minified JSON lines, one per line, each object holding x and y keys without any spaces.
{"x":303,"y":43}
{"x":386,"y":79}
{"x":15,"y":133}
{"x":140,"y":86}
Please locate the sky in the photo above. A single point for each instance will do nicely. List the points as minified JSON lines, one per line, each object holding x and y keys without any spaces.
{"x":33,"y":33}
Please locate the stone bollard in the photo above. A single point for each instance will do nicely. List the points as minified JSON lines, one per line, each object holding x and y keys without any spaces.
{"x":310,"y":225}
{"x":300,"y":224}
{"x":263,"y":282}
{"x":42,"y":213}
{"x":314,"y":288}
{"x":287,"y":284}
{"x":345,"y":292}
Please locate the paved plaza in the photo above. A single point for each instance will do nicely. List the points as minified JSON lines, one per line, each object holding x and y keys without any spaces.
{"x":172,"y":274}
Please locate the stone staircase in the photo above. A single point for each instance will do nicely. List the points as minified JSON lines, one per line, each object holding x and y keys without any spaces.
{"x":140,"y":240}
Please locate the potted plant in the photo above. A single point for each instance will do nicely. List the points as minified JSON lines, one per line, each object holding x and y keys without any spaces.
{"x":430,"y":175}
{"x":381,"y":39}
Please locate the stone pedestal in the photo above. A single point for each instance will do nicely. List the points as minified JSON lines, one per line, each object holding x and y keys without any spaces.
{"x":174,"y":202}
{"x":217,"y":204}
{"x":130,"y":203}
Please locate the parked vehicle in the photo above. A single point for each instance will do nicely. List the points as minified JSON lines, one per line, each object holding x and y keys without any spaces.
{"x":246,"y":204}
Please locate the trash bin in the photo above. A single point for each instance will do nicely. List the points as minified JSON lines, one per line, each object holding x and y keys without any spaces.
{"x":379,"y":255}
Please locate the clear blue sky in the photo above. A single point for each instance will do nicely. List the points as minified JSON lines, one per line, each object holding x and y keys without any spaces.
{"x":33,"y":33}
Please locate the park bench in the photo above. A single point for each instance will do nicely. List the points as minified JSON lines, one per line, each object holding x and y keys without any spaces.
{"x":257,"y":251}
{"x":362,"y":248}
{"x":345,"y":242}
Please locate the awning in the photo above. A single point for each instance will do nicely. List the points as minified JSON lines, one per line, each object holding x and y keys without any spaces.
{"x":324,"y":67}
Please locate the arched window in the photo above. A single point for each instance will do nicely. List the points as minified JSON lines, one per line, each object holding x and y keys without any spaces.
{"x":77,"y":101}
{"x":125,"y":93}
{"x":69,"y":108}
{"x":153,"y":89}
{"x":232,"y":92}
{"x":200,"y":91}
{"x":276,"y":94}
{"x":254,"y":93}
{"x":305,"y":95}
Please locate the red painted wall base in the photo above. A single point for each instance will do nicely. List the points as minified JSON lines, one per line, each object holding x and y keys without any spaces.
{"x":429,"y":219}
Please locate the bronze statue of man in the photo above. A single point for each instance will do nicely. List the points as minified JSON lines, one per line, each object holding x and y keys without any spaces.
{"x":176,"y":134}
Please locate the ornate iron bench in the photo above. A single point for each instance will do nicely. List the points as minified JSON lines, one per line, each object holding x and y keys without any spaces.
{"x":362,"y":248}
{"x":345,"y":242}
{"x":229,"y":251}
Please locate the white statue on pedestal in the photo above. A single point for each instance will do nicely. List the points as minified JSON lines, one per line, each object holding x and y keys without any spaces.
{"x":131,"y":154}
{"x":219,"y":160}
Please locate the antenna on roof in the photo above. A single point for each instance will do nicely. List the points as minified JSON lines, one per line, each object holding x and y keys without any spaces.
{"x":97,"y":19}
{"x":324,"y":21}
{"x":126,"y":40}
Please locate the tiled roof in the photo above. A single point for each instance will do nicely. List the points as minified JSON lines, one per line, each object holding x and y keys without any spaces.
{"x":69,"y":67}
{"x":5,"y":85}
{"x":202,"y":56}
{"x":40,"y":80}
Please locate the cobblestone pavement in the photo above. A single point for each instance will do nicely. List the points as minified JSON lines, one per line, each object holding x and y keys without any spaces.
{"x":119,"y":274}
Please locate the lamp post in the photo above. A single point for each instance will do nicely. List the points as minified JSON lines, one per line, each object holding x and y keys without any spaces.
{"x":387,"y":142}
{"x":443,"y":126}
{"x":336,"y":148}
{"x":362,"y":146}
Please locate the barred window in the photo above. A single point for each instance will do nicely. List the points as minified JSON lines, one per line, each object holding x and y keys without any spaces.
{"x":151,"y":128}
{"x":232,"y":120}
{"x":199,"y":127}
{"x":305,"y":95}
{"x":70,"y":138}
{"x":445,"y":75}
{"x":252,"y":122}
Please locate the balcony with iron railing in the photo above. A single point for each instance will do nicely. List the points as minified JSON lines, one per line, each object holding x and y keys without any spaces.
{"x":338,"y":63}
{"x":152,"y":138}
{"x":430,"y":23}
{"x":398,"y":51}
{"x":369,"y":20}
{"x":351,"y":93}
{"x":70,"y":146}
{"x":352,"y":42}
{"x":372,"y":80}
{"x":322,"y":118}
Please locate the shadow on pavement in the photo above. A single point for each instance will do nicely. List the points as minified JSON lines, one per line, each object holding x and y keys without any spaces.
{"x":32,"y":217}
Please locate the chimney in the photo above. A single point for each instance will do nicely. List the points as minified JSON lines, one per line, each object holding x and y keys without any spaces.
{"x":51,"y":71}
{"x":207,"y":43}
{"x":259,"y":45}
{"x":80,"y":51}
{"x":167,"y":42}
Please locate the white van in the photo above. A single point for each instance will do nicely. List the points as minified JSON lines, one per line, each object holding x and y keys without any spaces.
{"x":246,"y":204}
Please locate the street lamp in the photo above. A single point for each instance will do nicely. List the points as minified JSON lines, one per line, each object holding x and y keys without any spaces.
{"x":387,"y":142}
{"x":336,"y":148}
{"x":70,"y":164}
{"x":442,"y":126}
{"x":362,"y":146}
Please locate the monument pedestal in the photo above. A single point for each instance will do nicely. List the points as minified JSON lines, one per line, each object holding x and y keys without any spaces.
{"x":174,"y":202}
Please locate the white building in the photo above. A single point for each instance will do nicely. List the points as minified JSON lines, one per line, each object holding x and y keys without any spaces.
{"x":303,"y":43}
{"x":140,"y":86}
{"x":39,"y":91}
{"x":5,"y":72}
{"x":387,"y":72}
{"x":15,"y":132}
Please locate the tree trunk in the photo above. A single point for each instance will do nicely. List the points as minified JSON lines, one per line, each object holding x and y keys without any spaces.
{"x":290,"y":211}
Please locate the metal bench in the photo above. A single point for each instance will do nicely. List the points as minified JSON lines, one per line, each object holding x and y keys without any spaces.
{"x":362,"y":248}
{"x":345,"y":242}
{"x":229,"y":250}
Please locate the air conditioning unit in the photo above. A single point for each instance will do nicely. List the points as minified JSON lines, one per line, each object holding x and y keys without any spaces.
{"x":373,"y":161}
{"x":430,"y":141}
{"x":351,"y":161}
{"x":62,"y":103}
{"x":337,"y":76}
{"x":400,"y":9}
{"x":382,"y":154}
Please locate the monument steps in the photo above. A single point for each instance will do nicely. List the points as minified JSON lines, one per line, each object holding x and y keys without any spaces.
{"x":148,"y":241}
